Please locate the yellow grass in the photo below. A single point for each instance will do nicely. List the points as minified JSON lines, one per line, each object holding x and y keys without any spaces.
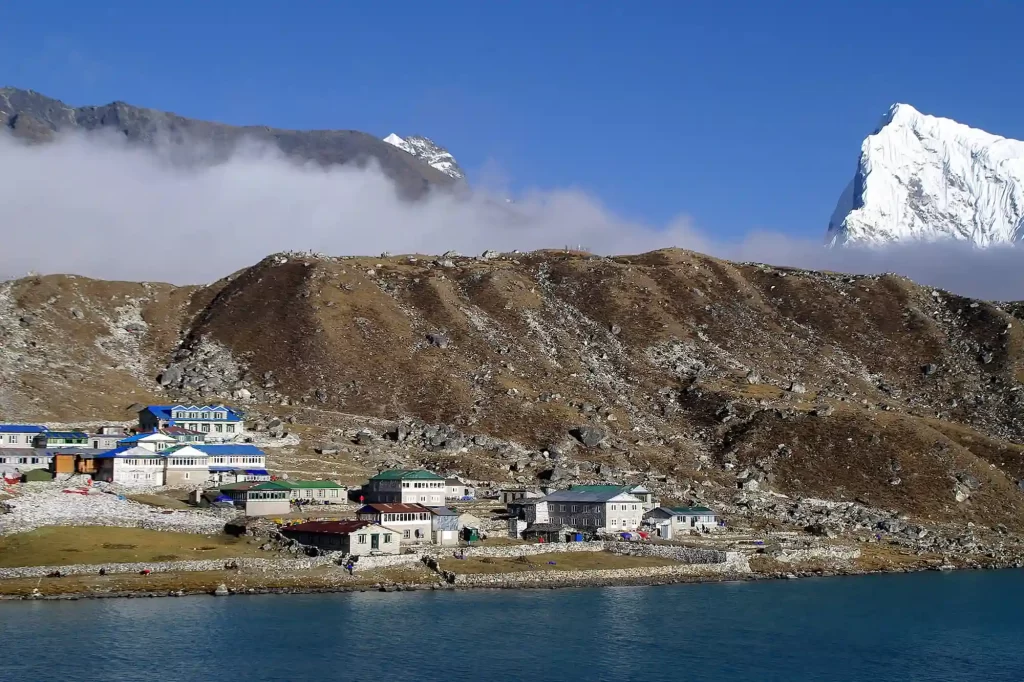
{"x":564,"y":561}
{"x":62,"y":545}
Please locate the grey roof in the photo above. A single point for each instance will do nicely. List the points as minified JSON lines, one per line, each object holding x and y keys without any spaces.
{"x":23,"y":452}
{"x":546,"y":527}
{"x":585,"y":496}
{"x":443,"y":511}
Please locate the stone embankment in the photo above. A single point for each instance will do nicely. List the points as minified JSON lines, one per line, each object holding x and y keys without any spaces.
{"x":830,"y":553}
{"x":736,"y":564}
{"x":247,"y":564}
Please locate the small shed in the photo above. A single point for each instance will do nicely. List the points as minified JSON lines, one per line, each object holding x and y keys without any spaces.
{"x":444,"y":526}
{"x":549,"y":532}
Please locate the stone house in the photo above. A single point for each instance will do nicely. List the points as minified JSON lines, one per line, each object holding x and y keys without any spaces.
{"x":412,"y":521}
{"x":456,"y":489}
{"x":358,"y":538}
{"x":671,"y":521}
{"x":405,"y":486}
{"x":525,"y":512}
{"x":509,"y":495}
{"x":595,"y":508}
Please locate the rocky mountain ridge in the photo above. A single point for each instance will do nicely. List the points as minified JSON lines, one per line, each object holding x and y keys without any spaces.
{"x":927,"y":178}
{"x":36,"y":118}
{"x":735,"y":383}
{"x":429,"y":152}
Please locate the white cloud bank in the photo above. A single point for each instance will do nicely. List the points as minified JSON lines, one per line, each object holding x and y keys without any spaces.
{"x":94,"y":206}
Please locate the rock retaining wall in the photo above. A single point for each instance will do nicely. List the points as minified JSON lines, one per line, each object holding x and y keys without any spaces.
{"x":735,"y":565}
{"x":831,"y":553}
{"x":513,"y":551}
{"x":685,"y":555}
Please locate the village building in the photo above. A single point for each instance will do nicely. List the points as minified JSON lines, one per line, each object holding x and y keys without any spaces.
{"x":412,"y":521}
{"x":551,"y":532}
{"x":509,"y":495}
{"x":237,"y":492}
{"x":74,"y":460}
{"x":356,"y":538}
{"x":524,"y":513}
{"x":267,"y":498}
{"x":235,"y":462}
{"x":645,"y":496}
{"x":154,"y":441}
{"x":405,"y":486}
{"x":185,"y":465}
{"x":61,"y":439}
{"x":130,"y":465}
{"x":671,"y":521}
{"x":456,"y":489}
{"x":20,"y":460}
{"x":444,"y":526}
{"x":320,"y":492}
{"x":184,"y":436}
{"x":217,"y":422}
{"x":19,"y":435}
{"x":105,"y":441}
{"x":595,"y":508}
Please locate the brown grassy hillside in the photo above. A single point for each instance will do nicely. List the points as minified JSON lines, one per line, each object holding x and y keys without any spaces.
{"x":682,"y":359}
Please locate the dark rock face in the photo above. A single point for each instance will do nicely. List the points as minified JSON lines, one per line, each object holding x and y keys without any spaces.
{"x":34,"y":117}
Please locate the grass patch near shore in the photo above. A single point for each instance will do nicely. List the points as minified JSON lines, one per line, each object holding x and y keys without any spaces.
{"x":207,"y":581}
{"x":563,"y":561}
{"x":63,"y":545}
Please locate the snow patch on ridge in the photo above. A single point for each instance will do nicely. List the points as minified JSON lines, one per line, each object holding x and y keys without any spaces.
{"x":429,"y":152}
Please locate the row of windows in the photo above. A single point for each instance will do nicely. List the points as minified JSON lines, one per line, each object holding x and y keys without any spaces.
{"x":424,"y":516}
{"x":625,"y":507}
{"x":595,"y":508}
{"x":142,"y":462}
{"x":187,"y":462}
{"x":406,"y":535}
{"x":22,"y":460}
{"x":181,"y":414}
{"x":423,"y":484}
{"x":320,"y":492}
{"x":267,"y":495}
{"x":236,"y":460}
{"x":13,"y":438}
{"x":361,"y":538}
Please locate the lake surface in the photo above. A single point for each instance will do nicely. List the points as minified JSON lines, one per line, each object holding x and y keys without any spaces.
{"x":928,"y":626}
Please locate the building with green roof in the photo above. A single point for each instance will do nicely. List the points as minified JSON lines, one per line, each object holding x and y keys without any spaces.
{"x":405,"y":486}
{"x":672,"y":521}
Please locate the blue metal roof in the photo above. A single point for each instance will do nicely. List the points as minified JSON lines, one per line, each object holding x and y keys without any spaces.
{"x":229,"y":449}
{"x":164,"y":411}
{"x":66,"y":434}
{"x":257,"y":472}
{"x":21,"y":428}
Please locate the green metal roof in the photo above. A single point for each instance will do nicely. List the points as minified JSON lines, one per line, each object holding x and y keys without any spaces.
{"x":403,"y":474}
{"x":689,"y":510}
{"x":271,"y":485}
{"x":311,"y":484}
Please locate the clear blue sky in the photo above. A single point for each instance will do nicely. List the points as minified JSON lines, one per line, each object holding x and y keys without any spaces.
{"x":745,"y":115}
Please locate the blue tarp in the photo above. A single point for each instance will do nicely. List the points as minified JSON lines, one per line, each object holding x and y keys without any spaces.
{"x":257,"y":472}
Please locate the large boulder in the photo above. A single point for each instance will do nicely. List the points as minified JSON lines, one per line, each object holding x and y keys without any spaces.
{"x":591,"y":436}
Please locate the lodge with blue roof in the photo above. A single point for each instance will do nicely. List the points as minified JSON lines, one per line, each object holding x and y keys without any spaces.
{"x":215,"y":422}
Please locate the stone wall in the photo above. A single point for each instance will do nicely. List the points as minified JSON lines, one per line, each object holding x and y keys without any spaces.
{"x":734,"y":566}
{"x":513,"y":551}
{"x":829,"y":553}
{"x":685,"y":555}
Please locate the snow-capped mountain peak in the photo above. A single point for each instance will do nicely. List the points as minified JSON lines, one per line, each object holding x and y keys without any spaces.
{"x":922,"y":177}
{"x":428,"y":151}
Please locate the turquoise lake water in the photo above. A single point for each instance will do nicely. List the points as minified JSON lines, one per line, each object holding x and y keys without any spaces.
{"x":927,"y":626}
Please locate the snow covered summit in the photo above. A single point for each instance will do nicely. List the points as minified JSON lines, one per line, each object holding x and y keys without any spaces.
{"x":926,"y":178}
{"x":429,"y":152}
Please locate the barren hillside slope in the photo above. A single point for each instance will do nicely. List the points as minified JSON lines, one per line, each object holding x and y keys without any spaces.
{"x":695,"y":370}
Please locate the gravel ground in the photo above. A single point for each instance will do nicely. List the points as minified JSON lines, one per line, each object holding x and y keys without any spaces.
{"x":45,"y":504}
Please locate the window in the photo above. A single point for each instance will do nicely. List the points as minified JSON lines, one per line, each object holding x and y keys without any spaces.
{"x":362,"y":538}
{"x":23,"y":460}
{"x":615,"y":522}
{"x":35,"y":460}
{"x":230,"y":428}
{"x":218,"y":427}
{"x":387,"y":538}
{"x":634,"y":507}
{"x":12,"y":439}
{"x":405,"y":534}
{"x":334,"y":493}
{"x":206,"y":428}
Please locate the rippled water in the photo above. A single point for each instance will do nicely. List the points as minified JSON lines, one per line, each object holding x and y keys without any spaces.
{"x":931,"y":626}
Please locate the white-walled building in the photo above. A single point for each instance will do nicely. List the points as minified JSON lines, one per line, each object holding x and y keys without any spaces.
{"x":412,"y":521}
{"x":671,"y":521}
{"x":235,"y":462}
{"x":154,"y":441}
{"x":218,"y":423}
{"x":406,"y":486}
{"x":19,"y":435}
{"x":595,"y":508}
{"x":186,"y":466}
{"x":131,"y":466}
